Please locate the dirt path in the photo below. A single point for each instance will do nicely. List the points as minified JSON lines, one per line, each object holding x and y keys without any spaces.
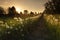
{"x":39,"y":32}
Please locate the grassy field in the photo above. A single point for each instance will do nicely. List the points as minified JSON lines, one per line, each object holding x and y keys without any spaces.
{"x":53,"y":24}
{"x":20,"y":29}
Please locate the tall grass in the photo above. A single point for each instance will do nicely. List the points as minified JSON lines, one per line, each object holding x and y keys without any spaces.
{"x":16,"y":30}
{"x":12,"y":29}
{"x":53,"y":27}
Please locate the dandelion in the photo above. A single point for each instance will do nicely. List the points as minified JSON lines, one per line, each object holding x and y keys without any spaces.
{"x":15,"y":17}
{"x":11,"y":27}
{"x":56,"y":20}
{"x":22,"y":34}
{"x":21,"y":30}
{"x":21,"y":22}
{"x":17,"y":20}
{"x":16,"y":28}
{"x":7,"y":26}
{"x":8,"y":32}
{"x":19,"y":26}
{"x":11,"y":22}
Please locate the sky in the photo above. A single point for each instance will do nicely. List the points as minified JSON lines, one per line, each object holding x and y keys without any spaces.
{"x":30,"y":5}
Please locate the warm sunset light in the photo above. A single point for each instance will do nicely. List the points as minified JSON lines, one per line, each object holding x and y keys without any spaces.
{"x":29,"y":19}
{"x":31,"y":5}
{"x":18,"y":10}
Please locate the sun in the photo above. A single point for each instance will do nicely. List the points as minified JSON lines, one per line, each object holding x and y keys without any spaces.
{"x":18,"y":10}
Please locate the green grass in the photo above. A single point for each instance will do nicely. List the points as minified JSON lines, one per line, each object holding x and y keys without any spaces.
{"x":15,"y":30}
{"x":12,"y":29}
{"x":53,"y":29}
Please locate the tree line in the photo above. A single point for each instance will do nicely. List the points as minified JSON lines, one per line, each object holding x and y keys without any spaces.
{"x":13,"y":13}
{"x":51,"y":7}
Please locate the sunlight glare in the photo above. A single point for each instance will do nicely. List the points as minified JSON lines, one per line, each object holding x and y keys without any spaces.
{"x":18,"y":9}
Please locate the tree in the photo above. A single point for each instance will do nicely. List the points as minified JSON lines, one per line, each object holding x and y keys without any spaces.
{"x":21,"y":13}
{"x":31,"y":13}
{"x":25,"y":11}
{"x":11,"y":11}
{"x":53,"y":7}
{"x":2,"y":12}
